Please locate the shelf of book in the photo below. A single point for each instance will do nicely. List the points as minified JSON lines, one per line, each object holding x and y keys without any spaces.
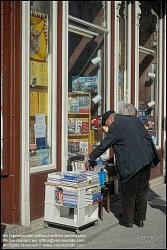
{"x":79,"y":122}
{"x":78,"y":136}
{"x":78,"y":115}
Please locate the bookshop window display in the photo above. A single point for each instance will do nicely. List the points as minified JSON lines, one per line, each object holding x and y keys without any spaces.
{"x":40,"y":144}
{"x":86,"y":78}
{"x":148,"y":67}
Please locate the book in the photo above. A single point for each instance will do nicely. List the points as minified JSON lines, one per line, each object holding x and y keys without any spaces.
{"x":84,"y":84}
{"x":78,"y":104}
{"x":73,"y":105}
{"x":73,"y":146}
{"x":59,"y":195}
{"x":83,"y":147}
{"x":78,"y":126}
{"x":71,"y":126}
{"x":85,"y":127}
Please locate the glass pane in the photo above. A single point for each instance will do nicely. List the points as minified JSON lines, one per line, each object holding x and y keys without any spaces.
{"x":86,"y":88}
{"x":40,"y":143}
{"x":90,"y":11}
{"x":122,"y":84}
{"x":148,"y":67}
{"x":148,"y":34}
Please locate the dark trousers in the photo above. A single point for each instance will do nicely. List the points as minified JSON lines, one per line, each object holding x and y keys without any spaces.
{"x":134,"y":196}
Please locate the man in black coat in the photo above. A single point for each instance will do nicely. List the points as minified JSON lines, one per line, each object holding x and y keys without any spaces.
{"x":135,"y":154}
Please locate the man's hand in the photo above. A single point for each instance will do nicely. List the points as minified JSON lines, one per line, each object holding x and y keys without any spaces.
{"x":90,"y":164}
{"x":87,"y":164}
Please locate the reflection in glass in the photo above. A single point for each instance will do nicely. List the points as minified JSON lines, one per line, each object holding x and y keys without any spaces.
{"x":148,"y":65}
{"x":90,"y":11}
{"x":86,"y":79}
{"x":122,"y":84}
{"x":82,"y":50}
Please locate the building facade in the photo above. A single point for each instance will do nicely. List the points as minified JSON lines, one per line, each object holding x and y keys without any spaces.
{"x":64,"y":63}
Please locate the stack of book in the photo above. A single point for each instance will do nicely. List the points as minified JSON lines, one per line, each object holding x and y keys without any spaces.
{"x":66,"y":197}
{"x":93,"y":195}
{"x":74,"y":176}
{"x":70,"y":197}
{"x":55,"y":177}
{"x":91,"y":177}
{"x":66,"y":193}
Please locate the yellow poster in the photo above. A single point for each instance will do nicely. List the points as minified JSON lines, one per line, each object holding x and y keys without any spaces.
{"x":39,"y":36}
{"x":39,"y":73}
{"x":34,"y":106}
{"x":43,"y":103}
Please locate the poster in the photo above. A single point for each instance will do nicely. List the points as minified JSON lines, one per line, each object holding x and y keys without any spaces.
{"x":39,"y":36}
{"x":39,"y":73}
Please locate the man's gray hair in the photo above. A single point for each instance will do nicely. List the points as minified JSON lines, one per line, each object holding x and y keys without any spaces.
{"x":128,"y":109}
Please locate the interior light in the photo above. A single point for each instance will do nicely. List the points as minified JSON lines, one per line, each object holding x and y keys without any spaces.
{"x":96,"y":60}
{"x":97,"y":99}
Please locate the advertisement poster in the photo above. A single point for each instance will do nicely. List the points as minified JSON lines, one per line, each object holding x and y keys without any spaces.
{"x":39,"y":36}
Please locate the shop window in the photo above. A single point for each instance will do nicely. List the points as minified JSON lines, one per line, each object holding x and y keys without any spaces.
{"x":122,"y":90}
{"x":86,"y":78}
{"x":148,"y":67}
{"x":40,"y":85}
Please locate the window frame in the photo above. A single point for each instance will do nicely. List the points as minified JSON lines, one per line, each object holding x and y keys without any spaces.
{"x":66,"y":26}
{"x":158,"y":94}
{"x":25,"y":93}
{"x":128,"y":52}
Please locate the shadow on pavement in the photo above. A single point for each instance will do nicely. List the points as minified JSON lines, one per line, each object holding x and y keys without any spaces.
{"x":116,"y":208}
{"x":156,"y":202}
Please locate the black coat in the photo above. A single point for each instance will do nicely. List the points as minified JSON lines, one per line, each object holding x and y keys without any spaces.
{"x":132,"y":145}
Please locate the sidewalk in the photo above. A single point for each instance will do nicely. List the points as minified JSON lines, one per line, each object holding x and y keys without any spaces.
{"x":107,"y":235}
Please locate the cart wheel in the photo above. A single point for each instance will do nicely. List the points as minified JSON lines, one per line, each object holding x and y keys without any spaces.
{"x":96,"y":223}
{"x":77,"y":231}
{"x":46,"y":224}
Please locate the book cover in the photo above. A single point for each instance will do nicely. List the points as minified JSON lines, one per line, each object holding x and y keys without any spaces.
{"x":84,"y":84}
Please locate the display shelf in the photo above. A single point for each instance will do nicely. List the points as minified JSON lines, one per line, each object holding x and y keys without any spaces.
{"x":78,"y":136}
{"x":75,"y":115}
{"x":58,"y":214}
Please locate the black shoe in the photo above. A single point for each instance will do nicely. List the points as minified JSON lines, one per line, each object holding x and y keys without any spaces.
{"x":122,"y":223}
{"x":139,"y":223}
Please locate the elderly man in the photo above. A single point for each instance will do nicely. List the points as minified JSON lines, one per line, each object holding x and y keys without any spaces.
{"x":135,"y":154}
{"x":128,"y":109}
